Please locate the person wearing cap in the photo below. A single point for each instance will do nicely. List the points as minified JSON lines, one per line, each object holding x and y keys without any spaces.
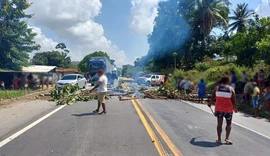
{"x":102,"y":90}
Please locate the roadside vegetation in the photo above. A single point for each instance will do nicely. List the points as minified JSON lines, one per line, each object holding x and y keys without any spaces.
{"x":8,"y":94}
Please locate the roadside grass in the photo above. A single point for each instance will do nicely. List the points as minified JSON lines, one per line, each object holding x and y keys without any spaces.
{"x":8,"y":94}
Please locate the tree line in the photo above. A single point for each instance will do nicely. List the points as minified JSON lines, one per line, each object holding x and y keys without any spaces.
{"x":185,"y":33}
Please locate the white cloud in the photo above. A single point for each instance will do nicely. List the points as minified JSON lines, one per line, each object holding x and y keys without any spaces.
{"x":143,"y":13}
{"x":47,"y":44}
{"x":74,"y":22}
{"x":263,"y":8}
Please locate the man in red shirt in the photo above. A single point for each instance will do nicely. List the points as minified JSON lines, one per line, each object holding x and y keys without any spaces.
{"x":225,"y":105}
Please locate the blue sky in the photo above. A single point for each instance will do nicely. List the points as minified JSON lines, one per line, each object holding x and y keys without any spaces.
{"x":119,"y":27}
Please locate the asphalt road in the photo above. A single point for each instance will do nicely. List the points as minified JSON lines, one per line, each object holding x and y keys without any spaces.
{"x":193,"y":131}
{"x":75,"y":131}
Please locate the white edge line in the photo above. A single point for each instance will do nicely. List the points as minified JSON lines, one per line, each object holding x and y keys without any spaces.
{"x":15,"y":135}
{"x":232,"y":122}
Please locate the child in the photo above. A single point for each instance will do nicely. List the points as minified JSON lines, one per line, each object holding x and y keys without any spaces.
{"x":255,"y":99}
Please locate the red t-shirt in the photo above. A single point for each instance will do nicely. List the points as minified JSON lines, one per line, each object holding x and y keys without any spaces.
{"x":224,"y":99}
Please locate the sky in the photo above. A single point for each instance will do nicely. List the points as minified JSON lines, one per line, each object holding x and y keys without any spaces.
{"x":118,"y":27}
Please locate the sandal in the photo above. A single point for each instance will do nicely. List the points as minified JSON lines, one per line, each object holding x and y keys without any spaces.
{"x":218,"y":142}
{"x":103,"y":113}
{"x":228,"y":142}
{"x":96,"y":111}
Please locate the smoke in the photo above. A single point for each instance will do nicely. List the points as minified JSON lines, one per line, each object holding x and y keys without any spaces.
{"x":170,"y":30}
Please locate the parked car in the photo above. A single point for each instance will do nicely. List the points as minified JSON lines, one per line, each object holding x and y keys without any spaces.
{"x":137,"y":76}
{"x":73,"y":79}
{"x":151,"y":80}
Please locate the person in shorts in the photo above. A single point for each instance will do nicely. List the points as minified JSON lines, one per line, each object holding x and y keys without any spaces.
{"x":225,"y":105}
{"x":248,"y":90}
{"x":201,"y":91}
{"x":101,"y":90}
{"x":255,"y":99}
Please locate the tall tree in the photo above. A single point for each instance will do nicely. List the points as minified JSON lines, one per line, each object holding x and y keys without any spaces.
{"x":53,"y":58}
{"x":210,"y":12}
{"x":241,"y":17}
{"x":16,"y":38}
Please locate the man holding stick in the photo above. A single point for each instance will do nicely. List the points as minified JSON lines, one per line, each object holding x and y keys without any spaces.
{"x":102,"y":90}
{"x":225,"y":105}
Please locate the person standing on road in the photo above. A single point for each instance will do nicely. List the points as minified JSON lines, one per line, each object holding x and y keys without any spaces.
{"x":201,"y":91}
{"x":255,"y":99}
{"x":243,"y":80}
{"x":225,"y":105}
{"x":187,"y":87}
{"x":248,"y":90}
{"x":261,"y":79}
{"x":233,"y":80}
{"x":102,"y":90}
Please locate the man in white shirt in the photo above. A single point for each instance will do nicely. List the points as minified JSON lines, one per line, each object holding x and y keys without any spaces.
{"x":101,"y":90}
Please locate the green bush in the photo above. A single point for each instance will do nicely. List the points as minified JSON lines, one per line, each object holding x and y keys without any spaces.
{"x":178,"y":73}
{"x":194,"y":75}
{"x":202,"y":66}
{"x":215,"y":73}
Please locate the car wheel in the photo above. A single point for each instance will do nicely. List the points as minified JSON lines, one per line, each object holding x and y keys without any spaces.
{"x":148,"y":83}
{"x":85,"y":85}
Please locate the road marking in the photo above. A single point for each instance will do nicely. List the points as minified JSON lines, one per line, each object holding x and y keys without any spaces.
{"x":164,"y":136}
{"x":15,"y":135}
{"x":268,"y":137}
{"x":153,"y":136}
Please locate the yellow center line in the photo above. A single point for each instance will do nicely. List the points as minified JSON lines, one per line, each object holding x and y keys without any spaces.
{"x":153,"y":136}
{"x":164,"y":136}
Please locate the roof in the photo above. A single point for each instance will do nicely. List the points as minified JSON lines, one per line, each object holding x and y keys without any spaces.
{"x":66,"y":70}
{"x":38,"y":69}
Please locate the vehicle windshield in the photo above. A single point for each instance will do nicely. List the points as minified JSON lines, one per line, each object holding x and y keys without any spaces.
{"x":96,"y":66}
{"x":69,"y":77}
{"x":147,"y":76}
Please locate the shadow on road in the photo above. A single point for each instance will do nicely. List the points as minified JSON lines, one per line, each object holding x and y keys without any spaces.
{"x":83,"y":114}
{"x":205,"y":144}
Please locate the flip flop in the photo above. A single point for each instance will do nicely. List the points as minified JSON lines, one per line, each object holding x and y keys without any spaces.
{"x":218,"y":142}
{"x":228,"y":142}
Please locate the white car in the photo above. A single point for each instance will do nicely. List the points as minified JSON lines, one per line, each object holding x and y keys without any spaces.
{"x":73,"y":79}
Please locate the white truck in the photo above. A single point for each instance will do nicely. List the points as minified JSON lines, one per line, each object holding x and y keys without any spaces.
{"x":151,"y":80}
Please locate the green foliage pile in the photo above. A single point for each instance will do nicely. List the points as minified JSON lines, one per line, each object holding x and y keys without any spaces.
{"x":70,"y":94}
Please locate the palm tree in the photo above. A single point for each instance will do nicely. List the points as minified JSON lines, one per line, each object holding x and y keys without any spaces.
{"x":241,"y":17}
{"x":211,"y":12}
{"x":174,"y":56}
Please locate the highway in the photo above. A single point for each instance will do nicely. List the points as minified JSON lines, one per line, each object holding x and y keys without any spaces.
{"x":136,"y":128}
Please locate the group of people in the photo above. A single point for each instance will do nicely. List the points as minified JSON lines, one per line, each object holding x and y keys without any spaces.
{"x":20,"y":81}
{"x":256,"y":90}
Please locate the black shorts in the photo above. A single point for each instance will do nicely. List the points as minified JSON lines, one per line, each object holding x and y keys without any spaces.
{"x":227,"y":116}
